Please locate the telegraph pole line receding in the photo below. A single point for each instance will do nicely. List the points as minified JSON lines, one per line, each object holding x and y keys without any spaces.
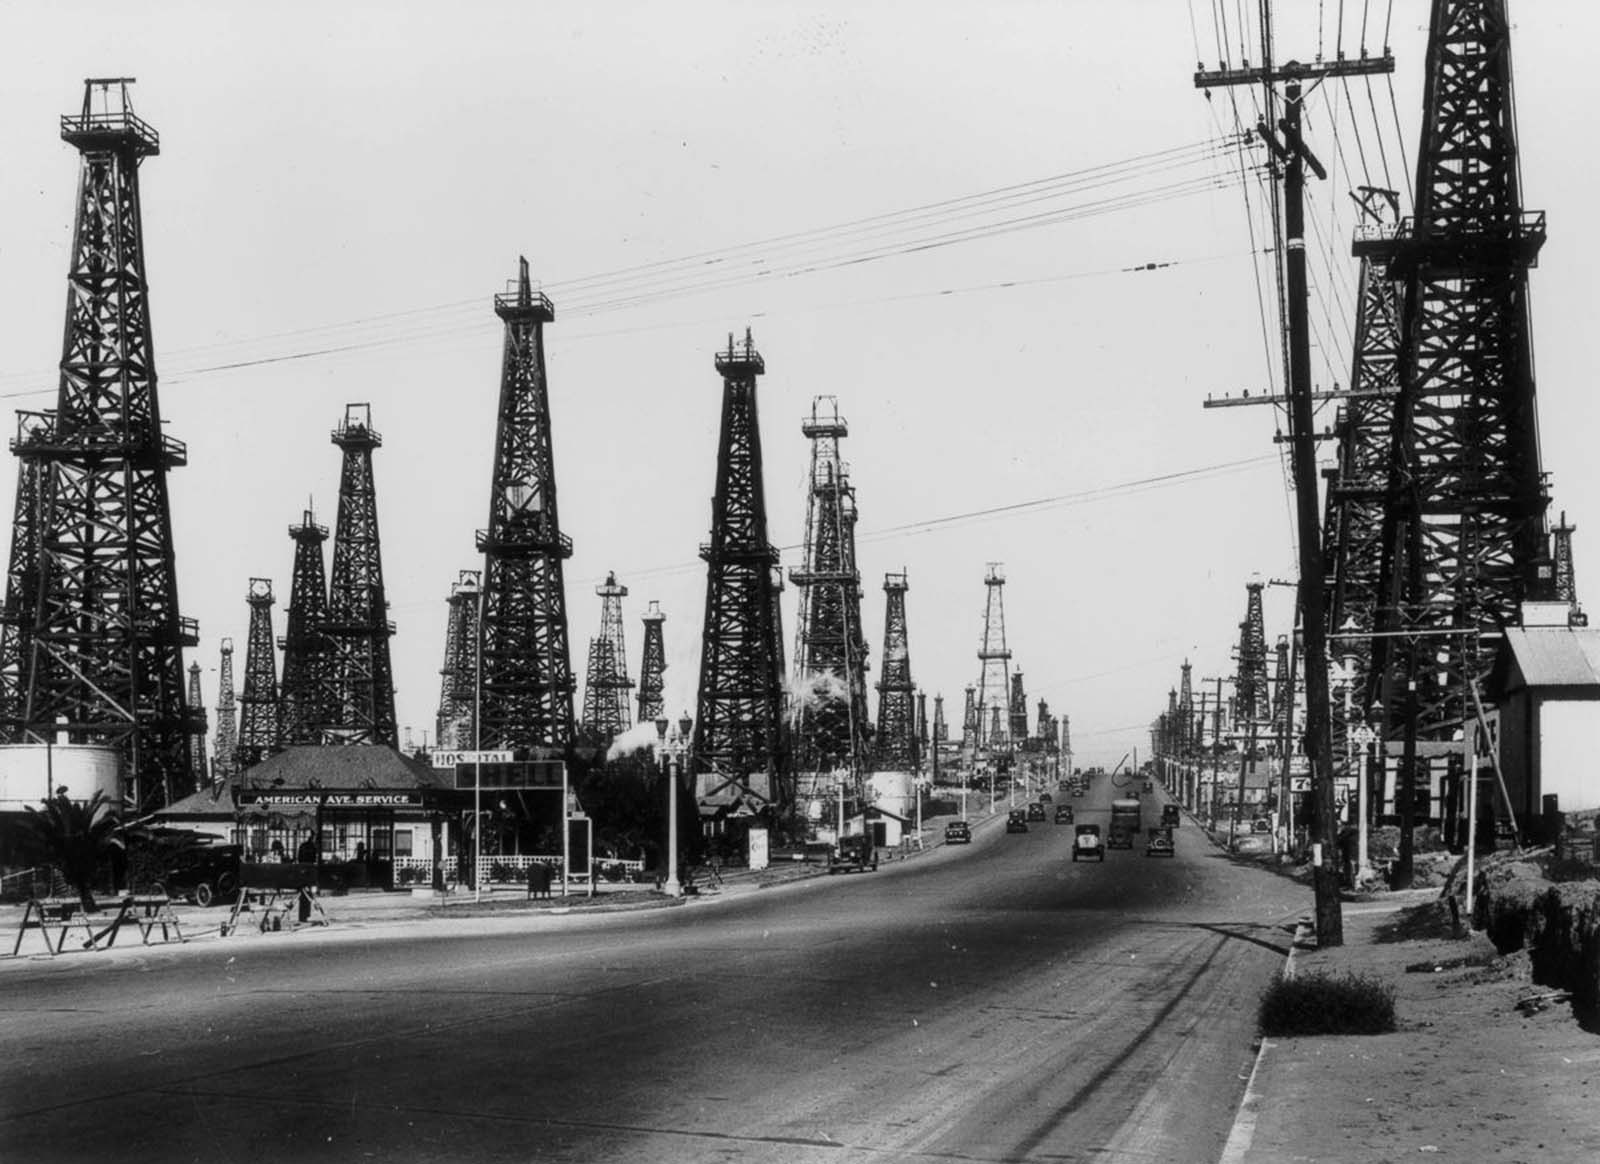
{"x":1294,"y":157}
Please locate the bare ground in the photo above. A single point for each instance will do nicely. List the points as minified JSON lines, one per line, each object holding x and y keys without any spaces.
{"x":1468,"y":1076}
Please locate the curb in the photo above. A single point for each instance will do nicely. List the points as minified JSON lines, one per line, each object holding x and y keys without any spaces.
{"x":1244,"y":1120}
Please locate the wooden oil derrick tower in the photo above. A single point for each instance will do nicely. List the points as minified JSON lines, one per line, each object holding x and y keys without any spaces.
{"x":22,"y":575}
{"x":357,"y":623}
{"x":994,"y":663}
{"x":458,"y":683}
{"x":1566,"y":575}
{"x":1251,"y":692}
{"x":307,"y":653}
{"x":896,"y":746}
{"x":831,"y":722}
{"x":106,"y":557}
{"x":526,"y":697}
{"x":740,"y":737}
{"x":652,"y":665}
{"x":197,"y":742}
{"x":606,"y":714}
{"x":1017,"y":717}
{"x":1464,"y":520}
{"x":1353,"y":537}
{"x":227,"y":734}
{"x":259,"y":735}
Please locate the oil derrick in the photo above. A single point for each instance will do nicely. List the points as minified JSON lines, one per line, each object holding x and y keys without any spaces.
{"x":1254,"y":699}
{"x":227,"y":735}
{"x":1045,"y":727}
{"x":652,"y":665}
{"x":606,"y":714}
{"x":1566,"y":577}
{"x":362,"y":680}
{"x":197,"y":742}
{"x":941,"y":730}
{"x":831,"y":722}
{"x":258,"y":706}
{"x":896,"y":745}
{"x":1017,"y":716}
{"x":1280,"y":690}
{"x":739,"y":733}
{"x":994,"y":662}
{"x":1066,"y":739}
{"x":459,"y":674}
{"x":1358,"y":486}
{"x":1188,"y":737}
{"x":106,"y":554}
{"x":307,"y":653}
{"x":970,"y":729}
{"x":527,"y":667}
{"x":1465,"y":514}
{"x":22,"y":576}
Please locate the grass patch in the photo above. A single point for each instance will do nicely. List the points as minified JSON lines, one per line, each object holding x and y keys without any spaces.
{"x":1326,"y":1004}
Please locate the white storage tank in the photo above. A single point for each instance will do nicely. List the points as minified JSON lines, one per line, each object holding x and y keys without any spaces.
{"x":29,"y":773}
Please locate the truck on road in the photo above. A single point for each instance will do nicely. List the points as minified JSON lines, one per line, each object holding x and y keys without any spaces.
{"x":1125,"y":822}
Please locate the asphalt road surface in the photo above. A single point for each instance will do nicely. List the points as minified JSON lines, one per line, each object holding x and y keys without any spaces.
{"x":989,"y":1003}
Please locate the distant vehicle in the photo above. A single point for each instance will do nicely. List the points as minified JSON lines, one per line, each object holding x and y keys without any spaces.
{"x":1045,"y":798}
{"x":1077,"y":790}
{"x":1159,"y":843}
{"x":205,"y":875}
{"x":1035,"y":811}
{"x":958,"y":832}
{"x":1261,"y":825}
{"x":1125,"y":821}
{"x":1170,"y":817}
{"x":1017,"y":822}
{"x":853,"y":853}
{"x":1063,"y":814}
{"x":1149,"y":787}
{"x":1086,"y":844}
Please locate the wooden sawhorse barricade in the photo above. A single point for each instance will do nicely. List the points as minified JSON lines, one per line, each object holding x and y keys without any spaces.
{"x":274,"y":890}
{"x":66,"y":915}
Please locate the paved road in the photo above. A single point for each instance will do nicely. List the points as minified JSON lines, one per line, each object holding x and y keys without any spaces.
{"x":993,"y":1003}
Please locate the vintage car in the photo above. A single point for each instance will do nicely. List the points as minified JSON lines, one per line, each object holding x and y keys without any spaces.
{"x":1169,"y":816}
{"x":206,"y":874}
{"x":852,"y":853}
{"x":1017,"y":822}
{"x":1064,"y":814}
{"x":1086,"y":844}
{"x":958,"y":832}
{"x":1045,"y":798}
{"x":1159,"y":843}
{"x":1036,"y":811}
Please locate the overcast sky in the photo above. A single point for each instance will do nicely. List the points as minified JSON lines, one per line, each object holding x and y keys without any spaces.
{"x":343,"y":187}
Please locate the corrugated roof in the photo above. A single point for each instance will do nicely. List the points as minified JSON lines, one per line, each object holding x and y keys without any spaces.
{"x":1555,"y":656}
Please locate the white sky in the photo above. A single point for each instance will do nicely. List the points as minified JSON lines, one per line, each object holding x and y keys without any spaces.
{"x":323,"y":164}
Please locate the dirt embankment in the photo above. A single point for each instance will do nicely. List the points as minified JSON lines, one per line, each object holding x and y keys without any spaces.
{"x":1520,"y":907}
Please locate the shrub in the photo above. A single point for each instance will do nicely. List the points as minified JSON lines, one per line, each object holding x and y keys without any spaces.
{"x":1324,"y":1004}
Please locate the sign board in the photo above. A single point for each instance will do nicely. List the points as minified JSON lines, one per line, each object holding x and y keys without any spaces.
{"x":760,"y":852}
{"x":460,"y":756}
{"x":511,"y":775}
{"x":1299,"y":783}
{"x":312,"y":799}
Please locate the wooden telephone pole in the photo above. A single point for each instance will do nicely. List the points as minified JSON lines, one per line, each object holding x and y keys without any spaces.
{"x":1290,"y":150}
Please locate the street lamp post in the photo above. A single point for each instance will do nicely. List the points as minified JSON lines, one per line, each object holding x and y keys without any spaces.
{"x":671,"y":887}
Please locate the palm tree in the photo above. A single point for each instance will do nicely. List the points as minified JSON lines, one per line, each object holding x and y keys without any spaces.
{"x":75,"y":837}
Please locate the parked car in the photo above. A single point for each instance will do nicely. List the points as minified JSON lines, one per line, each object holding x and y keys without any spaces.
{"x":1063,"y":814}
{"x":853,"y":853}
{"x":1169,"y":816}
{"x":1261,"y":825}
{"x":958,"y":832}
{"x":205,"y":874}
{"x":1036,"y":811}
{"x":1017,"y":822}
{"x":1086,"y":844}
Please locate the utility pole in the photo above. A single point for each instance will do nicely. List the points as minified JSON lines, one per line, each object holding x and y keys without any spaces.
{"x":1291,"y":151}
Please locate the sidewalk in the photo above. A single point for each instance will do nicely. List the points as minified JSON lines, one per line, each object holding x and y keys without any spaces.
{"x":1467,"y":1076}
